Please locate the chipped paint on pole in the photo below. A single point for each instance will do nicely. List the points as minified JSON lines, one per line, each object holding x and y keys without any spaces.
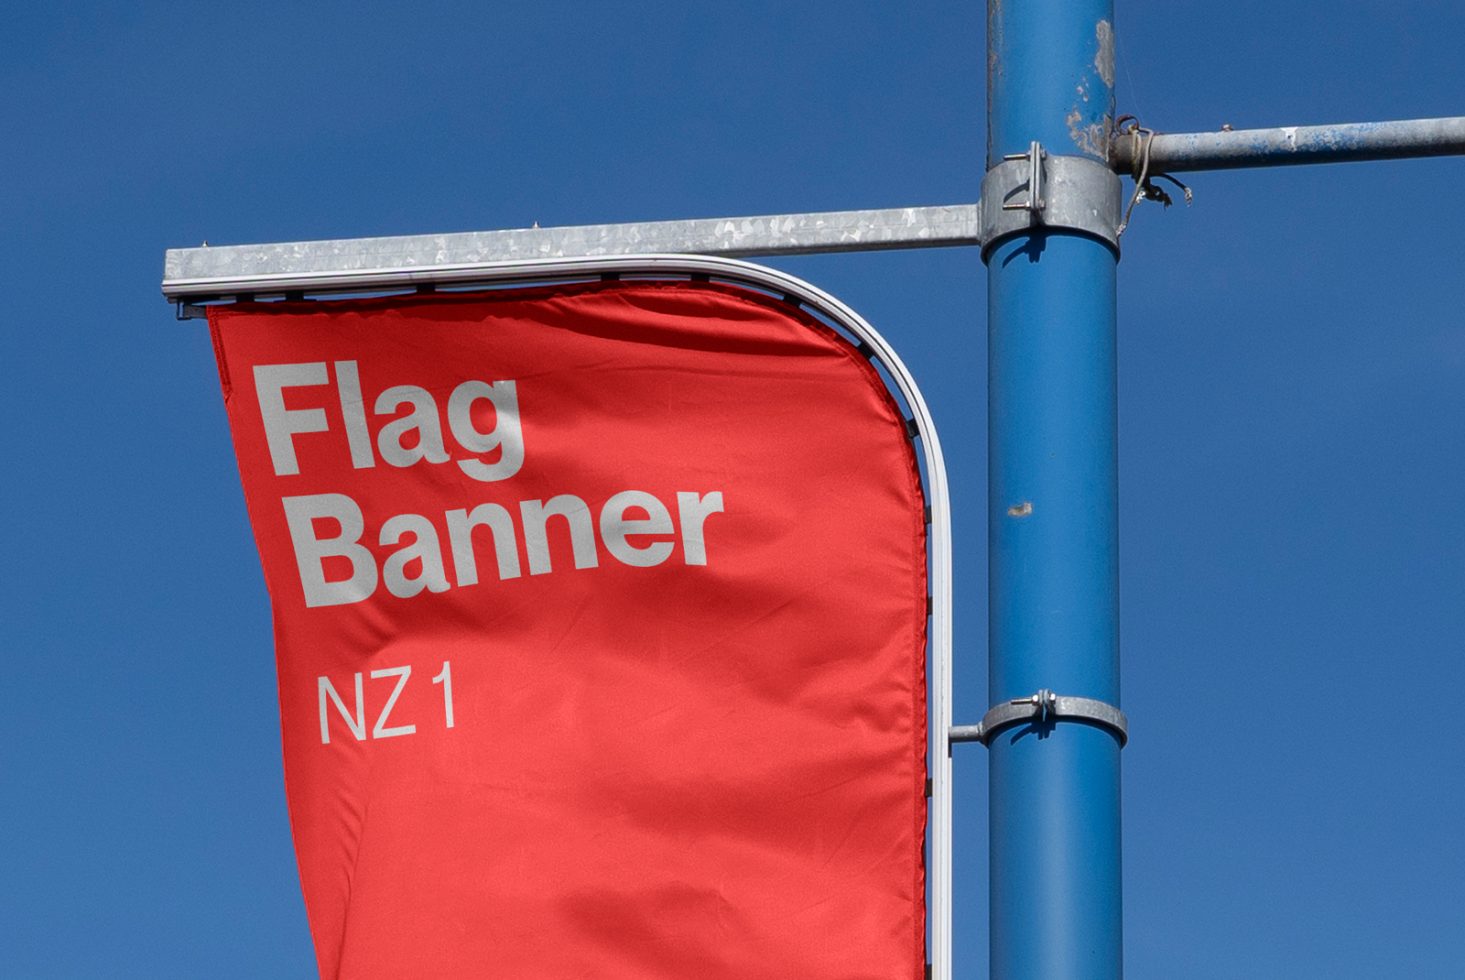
{"x":1069,"y":86}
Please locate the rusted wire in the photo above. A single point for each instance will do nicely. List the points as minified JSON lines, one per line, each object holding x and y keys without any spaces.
{"x":1144,"y":186}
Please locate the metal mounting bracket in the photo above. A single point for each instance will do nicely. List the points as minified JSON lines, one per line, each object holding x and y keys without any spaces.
{"x":1041,"y":707}
{"x":1035,"y":157}
{"x":1038,"y":189}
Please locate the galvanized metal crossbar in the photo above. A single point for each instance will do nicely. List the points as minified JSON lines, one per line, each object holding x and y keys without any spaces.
{"x":220,"y":272}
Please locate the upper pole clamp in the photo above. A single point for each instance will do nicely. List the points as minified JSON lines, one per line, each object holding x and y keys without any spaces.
{"x":1037,"y":189}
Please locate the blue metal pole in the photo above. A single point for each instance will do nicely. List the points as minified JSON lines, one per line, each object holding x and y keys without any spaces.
{"x":1052,"y":493}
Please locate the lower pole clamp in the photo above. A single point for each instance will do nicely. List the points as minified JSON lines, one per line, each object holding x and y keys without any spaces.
{"x":1042,"y":707}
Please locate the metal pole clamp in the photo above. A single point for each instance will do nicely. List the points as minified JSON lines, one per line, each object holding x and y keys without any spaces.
{"x":1041,"y":708}
{"x":1039,"y":190}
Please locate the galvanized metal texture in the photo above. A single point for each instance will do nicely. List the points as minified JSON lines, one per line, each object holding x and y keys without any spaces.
{"x":366,"y":263}
{"x":1040,"y":707}
{"x":1288,"y":145}
{"x":1073,"y":193}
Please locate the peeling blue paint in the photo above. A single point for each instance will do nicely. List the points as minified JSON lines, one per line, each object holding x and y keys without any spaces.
{"x":1067,"y":86}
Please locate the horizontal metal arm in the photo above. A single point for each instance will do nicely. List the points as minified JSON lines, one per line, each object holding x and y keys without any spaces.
{"x":1287,"y":145}
{"x":366,"y":263}
{"x":195,"y":274}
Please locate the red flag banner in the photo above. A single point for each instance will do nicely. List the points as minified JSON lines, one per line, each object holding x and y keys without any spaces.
{"x":600,"y":624}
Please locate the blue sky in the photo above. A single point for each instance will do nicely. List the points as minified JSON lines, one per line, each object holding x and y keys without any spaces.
{"x":1292,"y":362}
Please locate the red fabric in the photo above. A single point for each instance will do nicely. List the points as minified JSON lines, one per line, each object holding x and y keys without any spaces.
{"x":676,"y":770}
